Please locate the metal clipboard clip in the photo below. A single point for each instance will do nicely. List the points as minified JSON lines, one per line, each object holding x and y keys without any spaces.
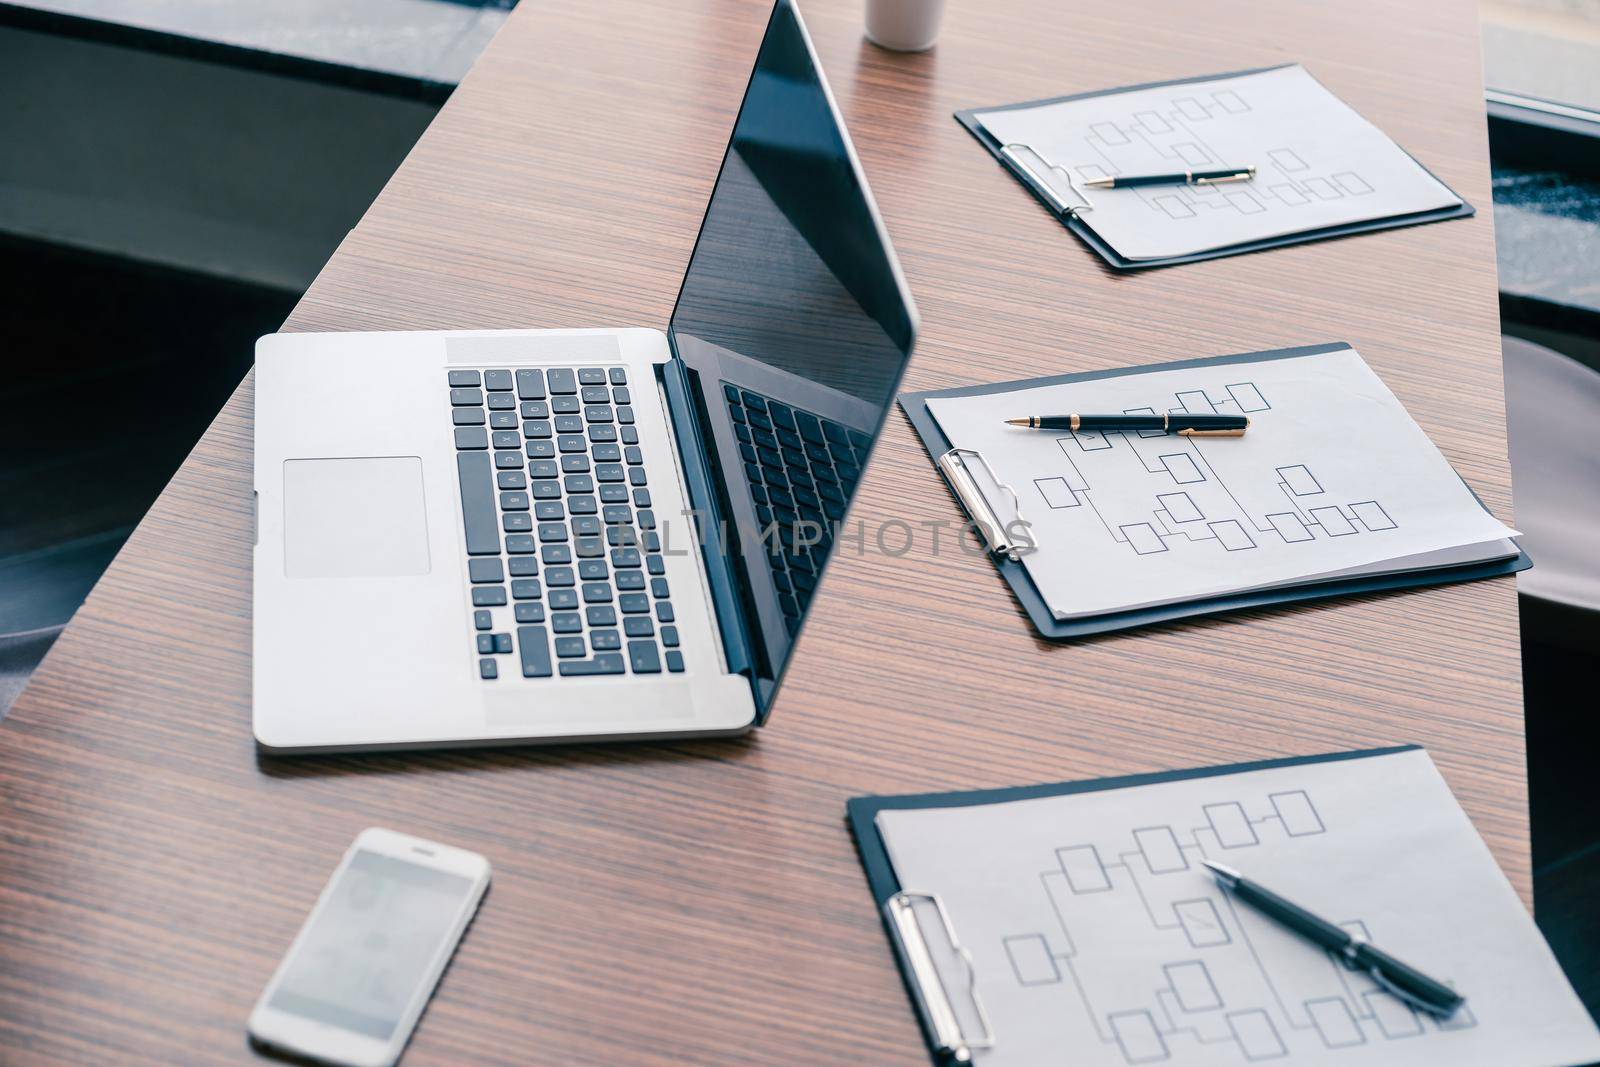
{"x":1018,"y":156}
{"x":941,"y":1015}
{"x":957,"y":466}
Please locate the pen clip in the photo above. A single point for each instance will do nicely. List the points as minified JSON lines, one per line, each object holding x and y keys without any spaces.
{"x":1043,"y":186}
{"x":1407,"y":997}
{"x":1351,"y":955}
{"x":1241,"y":176}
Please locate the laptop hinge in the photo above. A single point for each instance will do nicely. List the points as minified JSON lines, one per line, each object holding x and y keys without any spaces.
{"x":713,"y":549}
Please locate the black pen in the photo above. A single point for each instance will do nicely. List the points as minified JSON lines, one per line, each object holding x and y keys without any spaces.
{"x":1176,"y":422}
{"x":1182,"y":177}
{"x":1407,"y":983}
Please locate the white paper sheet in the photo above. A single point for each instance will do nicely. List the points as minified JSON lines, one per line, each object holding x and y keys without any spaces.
{"x":1318,"y":162}
{"x":1333,"y":478}
{"x":1100,"y":941}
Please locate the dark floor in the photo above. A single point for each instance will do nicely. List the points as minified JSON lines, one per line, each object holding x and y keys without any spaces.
{"x":1561,"y":673}
{"x":109,"y":372}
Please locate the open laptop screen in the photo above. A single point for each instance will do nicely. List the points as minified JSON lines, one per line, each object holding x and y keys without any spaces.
{"x":796,"y":326}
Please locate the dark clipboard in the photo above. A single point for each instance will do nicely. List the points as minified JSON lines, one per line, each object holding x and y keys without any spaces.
{"x":968,"y":118}
{"x":1016,"y":576}
{"x":862,"y":813}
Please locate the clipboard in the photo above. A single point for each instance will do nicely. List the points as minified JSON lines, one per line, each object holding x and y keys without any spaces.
{"x":920,"y":927}
{"x":1031,"y":173}
{"x":987,"y":511}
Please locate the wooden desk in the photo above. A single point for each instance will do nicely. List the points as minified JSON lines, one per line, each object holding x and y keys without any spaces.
{"x":701,"y":902}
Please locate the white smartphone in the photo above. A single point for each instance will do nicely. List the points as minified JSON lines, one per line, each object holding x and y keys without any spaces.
{"x":359,"y":973}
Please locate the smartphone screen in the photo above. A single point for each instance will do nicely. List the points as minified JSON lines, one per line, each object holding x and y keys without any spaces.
{"x":372,"y":945}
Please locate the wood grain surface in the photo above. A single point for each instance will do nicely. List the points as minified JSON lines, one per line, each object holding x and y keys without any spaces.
{"x":701,"y":902}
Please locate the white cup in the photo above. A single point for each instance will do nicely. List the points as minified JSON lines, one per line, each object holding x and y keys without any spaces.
{"x":904,"y":25}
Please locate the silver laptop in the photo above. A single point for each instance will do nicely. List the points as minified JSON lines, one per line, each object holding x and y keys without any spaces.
{"x":554,"y":535}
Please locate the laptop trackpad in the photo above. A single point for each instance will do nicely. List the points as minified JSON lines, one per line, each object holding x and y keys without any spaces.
{"x":354,"y":518}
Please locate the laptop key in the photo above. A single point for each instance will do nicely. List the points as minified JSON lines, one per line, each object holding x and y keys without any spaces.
{"x":630,"y":581}
{"x":489,"y":596}
{"x":535,"y":409}
{"x":593,"y":570}
{"x":553,"y":554}
{"x":497,"y":379}
{"x":482,"y":620}
{"x":579,"y":483}
{"x":638,"y":626}
{"x":529,"y":611}
{"x":533,"y":645}
{"x":461,"y":378}
{"x":512,"y":480}
{"x":523,"y":566}
{"x":517,"y":521}
{"x":620,"y":396}
{"x":596,"y":593}
{"x":473,"y":437}
{"x":486,"y":644}
{"x":560,"y":577}
{"x":619,"y":376}
{"x":530,"y":384}
{"x":669,"y":636}
{"x":675,"y":662}
{"x":485,"y":569}
{"x":625,"y":557}
{"x":570,"y":647}
{"x":566,"y":622}
{"x":595,"y":394}
{"x":600,"y":615}
{"x":592,"y":376}
{"x":477,"y":503}
{"x":502,"y":402}
{"x":603,"y":663}
{"x":501,"y":420}
{"x":664,"y":611}
{"x":467,"y":416}
{"x":505,"y":438}
{"x":552,"y":531}
{"x":542,"y":449}
{"x":569,"y":424}
{"x":526,"y":589}
{"x":487,"y":668}
{"x":571,"y":443}
{"x":561,"y":381}
{"x":606,"y":453}
{"x":603,"y":431}
{"x":565,"y":405}
{"x":508,"y":460}
{"x":520,"y":544}
{"x":585,"y":526}
{"x":597,"y":413}
{"x":630,"y":603}
{"x":545,"y":489}
{"x":605,"y":640}
{"x":605,"y":472}
{"x":537,"y":430}
{"x":575,"y":463}
{"x":643,"y":657}
{"x":513,"y":501}
{"x":613,"y":493}
{"x":465,"y":398}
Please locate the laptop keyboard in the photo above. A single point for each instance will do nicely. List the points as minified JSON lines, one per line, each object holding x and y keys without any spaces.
{"x":563,"y":555}
{"x":798,"y":466}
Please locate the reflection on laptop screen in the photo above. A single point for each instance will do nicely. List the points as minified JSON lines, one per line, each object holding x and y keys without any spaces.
{"x":796,"y":322}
